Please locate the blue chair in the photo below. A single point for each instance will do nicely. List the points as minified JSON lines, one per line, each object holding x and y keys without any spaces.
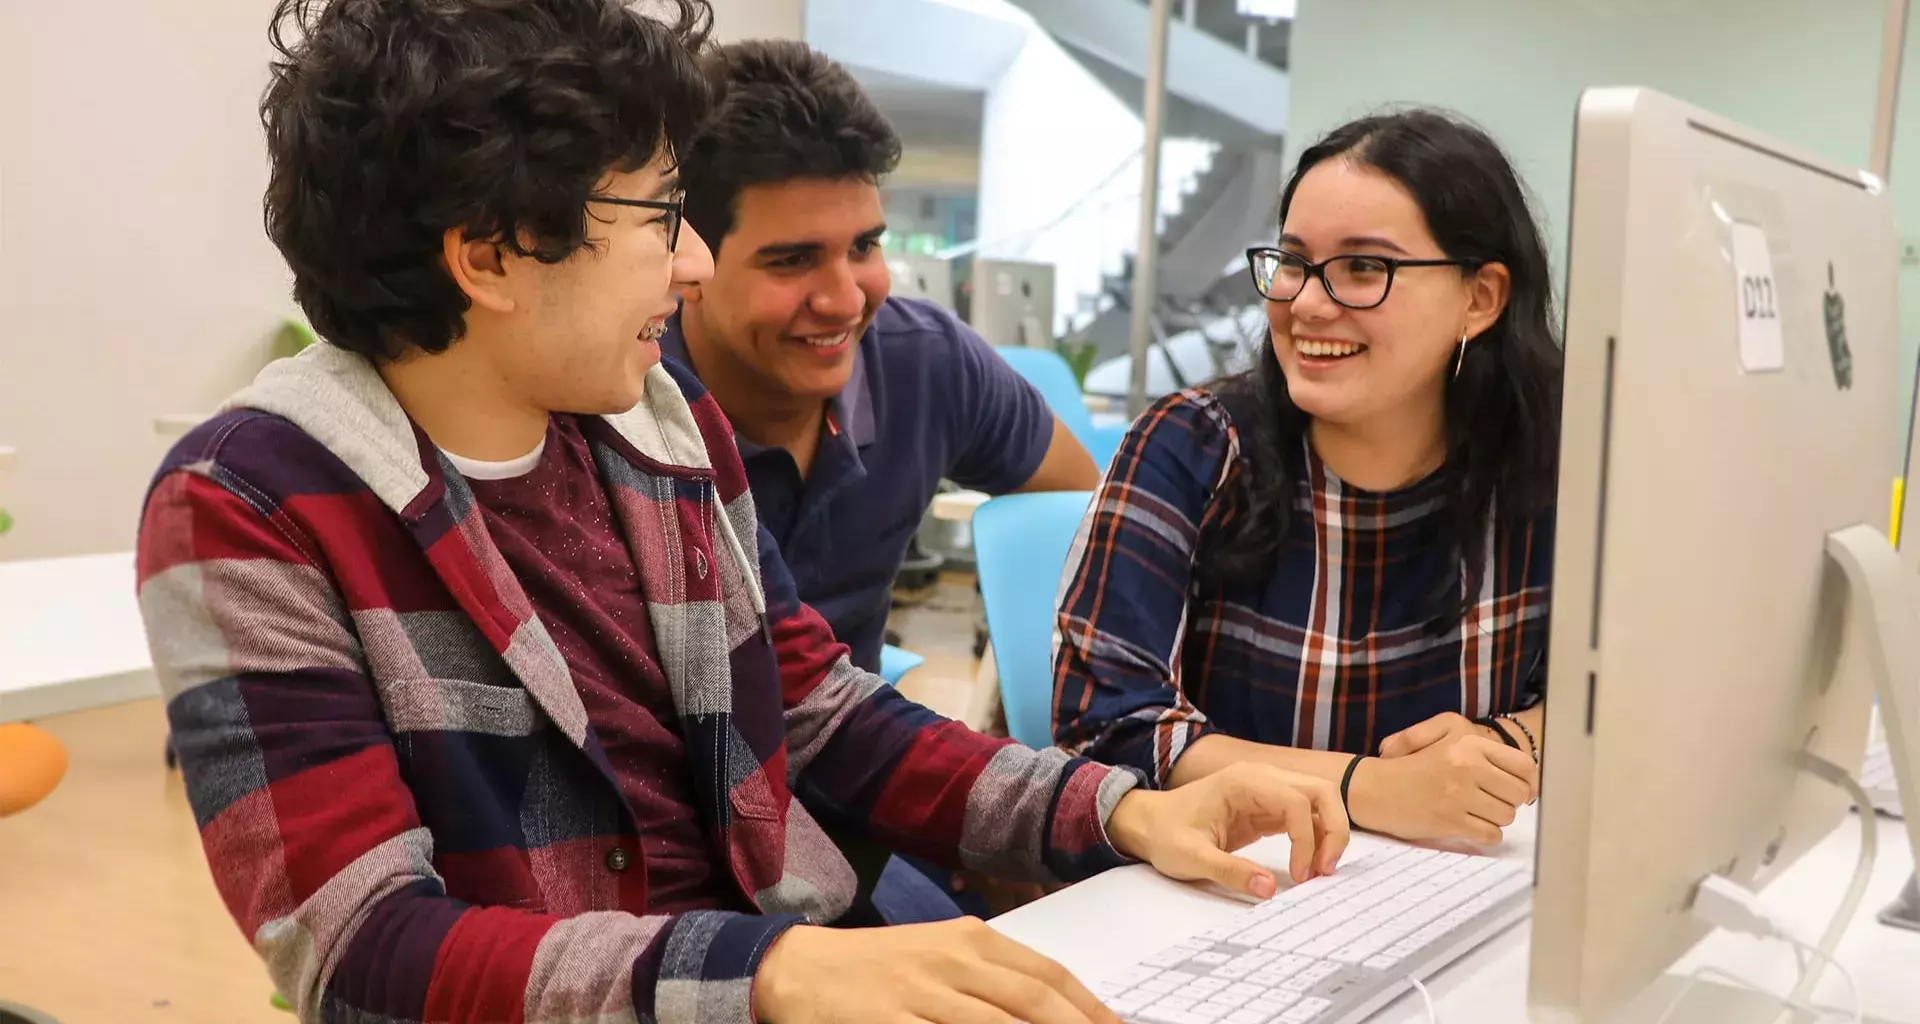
{"x":1020,"y":544}
{"x":895,"y":663}
{"x":1049,"y":373}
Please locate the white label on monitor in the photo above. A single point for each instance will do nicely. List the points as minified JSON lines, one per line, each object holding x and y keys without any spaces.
{"x":1757,"y":301}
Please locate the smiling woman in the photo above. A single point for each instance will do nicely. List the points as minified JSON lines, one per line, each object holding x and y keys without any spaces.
{"x":1339,"y":561}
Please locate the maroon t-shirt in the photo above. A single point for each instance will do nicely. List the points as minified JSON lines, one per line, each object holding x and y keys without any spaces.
{"x":557,"y":532}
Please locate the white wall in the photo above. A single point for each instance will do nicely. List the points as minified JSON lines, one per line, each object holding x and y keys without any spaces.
{"x":1805,"y":72}
{"x":758,"y":19}
{"x":135,"y":278}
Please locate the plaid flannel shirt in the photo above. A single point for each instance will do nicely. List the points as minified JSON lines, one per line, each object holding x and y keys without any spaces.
{"x":1333,"y":651}
{"x":399,"y":795}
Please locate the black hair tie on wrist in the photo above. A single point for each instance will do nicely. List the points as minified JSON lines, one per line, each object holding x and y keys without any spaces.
{"x":1506,"y":737}
{"x":1346,"y":781}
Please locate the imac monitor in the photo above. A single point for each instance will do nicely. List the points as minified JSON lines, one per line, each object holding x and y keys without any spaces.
{"x":1730,"y":339}
{"x":919,"y":276}
{"x":1013,"y":302}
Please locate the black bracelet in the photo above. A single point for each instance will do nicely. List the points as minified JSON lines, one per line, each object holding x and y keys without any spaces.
{"x":1346,"y":780}
{"x":1490,"y":722}
{"x":1533,"y":745}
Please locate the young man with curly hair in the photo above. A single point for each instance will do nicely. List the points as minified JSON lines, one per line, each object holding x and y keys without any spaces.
{"x":492,"y":701}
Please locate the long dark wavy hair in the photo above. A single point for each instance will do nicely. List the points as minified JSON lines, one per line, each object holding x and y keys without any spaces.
{"x":1503,"y":408}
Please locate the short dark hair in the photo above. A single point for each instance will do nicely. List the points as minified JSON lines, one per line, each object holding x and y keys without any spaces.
{"x":785,"y":112}
{"x":391,"y":122}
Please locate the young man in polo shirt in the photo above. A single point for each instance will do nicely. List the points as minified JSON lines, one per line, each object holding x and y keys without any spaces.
{"x":850,"y":407}
{"x":492,"y":701}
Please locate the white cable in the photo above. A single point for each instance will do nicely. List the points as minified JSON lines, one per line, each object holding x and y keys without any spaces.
{"x":1853,"y":988}
{"x":1714,"y":973}
{"x":1433,"y":1012}
{"x":1862,"y":871}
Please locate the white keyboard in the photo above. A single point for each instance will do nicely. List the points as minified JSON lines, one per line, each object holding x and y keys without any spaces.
{"x":1329,"y":951}
{"x":1876,"y":777}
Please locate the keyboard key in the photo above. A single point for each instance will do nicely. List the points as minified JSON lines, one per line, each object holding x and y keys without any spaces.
{"x":1299,"y":983}
{"x":1381,"y":963}
{"x":1306,"y":1010}
{"x":1127,"y":1006}
{"x":1244,"y":991}
{"x":1165,"y":983}
{"x":1212,"y":959}
{"x":1210,"y":1011}
{"x":1247,"y":1017}
{"x":1230,"y":999}
{"x":1204,"y":986}
{"x":1160,"y":1014}
{"x":1273,"y":1003}
{"x":1135,"y":975}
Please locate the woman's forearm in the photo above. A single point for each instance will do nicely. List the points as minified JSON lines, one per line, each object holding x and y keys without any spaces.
{"x":1215,"y":751}
{"x":1533,"y":737}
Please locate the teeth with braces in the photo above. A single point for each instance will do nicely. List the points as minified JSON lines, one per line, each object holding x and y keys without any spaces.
{"x":654,"y":332}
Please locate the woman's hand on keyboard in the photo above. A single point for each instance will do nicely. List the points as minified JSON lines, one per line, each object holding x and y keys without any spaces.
{"x":1188,"y":833}
{"x":950,"y":972}
{"x":1462,"y":787}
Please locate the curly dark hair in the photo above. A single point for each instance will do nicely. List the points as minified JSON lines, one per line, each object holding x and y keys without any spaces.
{"x":785,"y":111}
{"x":391,"y":122}
{"x":1503,"y":407}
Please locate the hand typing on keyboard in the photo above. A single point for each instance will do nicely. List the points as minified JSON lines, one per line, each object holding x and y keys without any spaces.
{"x":1187,"y":833}
{"x":955,"y":972}
{"x":1330,"y":951}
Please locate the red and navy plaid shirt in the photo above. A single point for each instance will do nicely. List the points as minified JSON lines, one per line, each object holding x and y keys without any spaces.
{"x":402,"y":801}
{"x":1333,"y":651}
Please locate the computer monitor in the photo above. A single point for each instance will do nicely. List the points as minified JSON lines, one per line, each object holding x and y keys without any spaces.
{"x":919,"y":276}
{"x":1013,"y":302}
{"x":1909,"y":506}
{"x":1731,"y":329}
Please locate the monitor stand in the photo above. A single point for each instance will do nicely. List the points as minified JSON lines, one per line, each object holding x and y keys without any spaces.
{"x":1905,"y":911}
{"x":1881,"y":589}
{"x":1880,"y":593}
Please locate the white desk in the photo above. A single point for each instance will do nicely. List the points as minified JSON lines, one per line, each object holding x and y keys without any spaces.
{"x":71,"y":636}
{"x":1101,"y":924}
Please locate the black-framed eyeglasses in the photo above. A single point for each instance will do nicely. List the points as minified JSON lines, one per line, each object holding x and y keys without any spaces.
{"x":675,"y":209}
{"x":1356,"y":282}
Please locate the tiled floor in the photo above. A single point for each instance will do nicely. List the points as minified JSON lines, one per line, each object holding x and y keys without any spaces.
{"x":938,"y":625}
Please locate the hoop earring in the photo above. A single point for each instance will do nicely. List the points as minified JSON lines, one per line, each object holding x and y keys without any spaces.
{"x":1462,"y":357}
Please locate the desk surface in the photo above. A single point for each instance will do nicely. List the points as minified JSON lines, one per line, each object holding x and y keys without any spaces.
{"x":70,"y":635}
{"x":1102,"y":924}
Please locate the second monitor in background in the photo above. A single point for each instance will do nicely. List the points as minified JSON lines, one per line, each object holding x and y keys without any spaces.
{"x":919,"y":276}
{"x":1012,"y":302}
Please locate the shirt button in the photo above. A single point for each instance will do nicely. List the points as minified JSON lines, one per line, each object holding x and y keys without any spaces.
{"x":617,"y":860}
{"x":700,"y":563}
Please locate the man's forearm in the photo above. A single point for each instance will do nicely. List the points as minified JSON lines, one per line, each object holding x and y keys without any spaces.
{"x":1212,"y":752}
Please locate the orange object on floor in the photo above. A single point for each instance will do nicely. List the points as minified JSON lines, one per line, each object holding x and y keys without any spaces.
{"x":32,"y":763}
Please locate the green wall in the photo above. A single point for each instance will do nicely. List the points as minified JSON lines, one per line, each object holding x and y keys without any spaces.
{"x":1803,"y":71}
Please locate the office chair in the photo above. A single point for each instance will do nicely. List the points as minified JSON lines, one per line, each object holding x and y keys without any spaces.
{"x":1022,"y":542}
{"x":32,"y":762}
{"x":1049,"y":373}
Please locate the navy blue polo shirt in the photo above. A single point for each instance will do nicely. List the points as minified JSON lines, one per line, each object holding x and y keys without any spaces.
{"x":928,"y":398}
